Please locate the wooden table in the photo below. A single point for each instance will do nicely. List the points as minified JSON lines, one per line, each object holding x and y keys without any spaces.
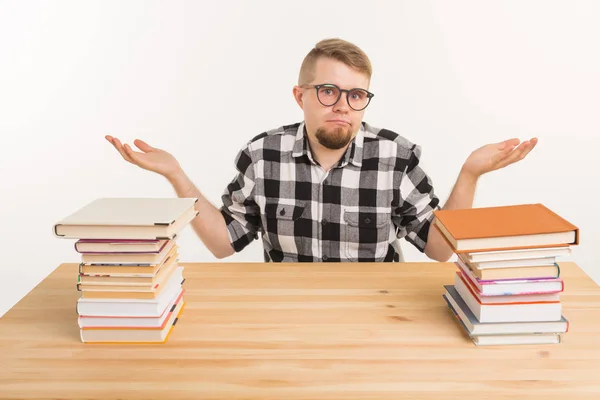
{"x":297,"y":331}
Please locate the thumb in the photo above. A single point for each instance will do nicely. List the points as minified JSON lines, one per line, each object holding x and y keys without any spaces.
{"x":145,"y":147}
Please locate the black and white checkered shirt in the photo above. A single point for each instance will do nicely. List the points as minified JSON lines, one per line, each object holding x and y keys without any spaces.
{"x":357,"y":211}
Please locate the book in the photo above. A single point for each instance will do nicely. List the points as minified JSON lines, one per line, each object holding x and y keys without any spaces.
{"x":133,"y":335}
{"x":504,"y":228}
{"x":128,"y":258}
{"x":512,"y":286}
{"x":128,"y":280}
{"x":117,"y":307}
{"x":507,"y":312}
{"x":510,"y":273}
{"x":531,"y":338}
{"x":504,"y":338}
{"x":131,"y":321}
{"x":520,"y":254}
{"x":546,"y":271}
{"x":127,"y":291}
{"x":129,"y":269}
{"x":476,"y":328}
{"x":121,"y":246}
{"x":526,"y":262}
{"x":128,"y":218}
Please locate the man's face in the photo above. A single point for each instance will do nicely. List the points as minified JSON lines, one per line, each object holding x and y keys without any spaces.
{"x":332,"y":126}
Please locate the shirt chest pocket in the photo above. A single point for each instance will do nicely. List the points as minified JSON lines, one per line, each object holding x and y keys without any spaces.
{"x":366,"y":235}
{"x":282,"y":227}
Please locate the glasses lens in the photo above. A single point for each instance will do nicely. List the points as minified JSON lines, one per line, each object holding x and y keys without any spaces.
{"x":328,"y":95}
{"x":358,"y":99}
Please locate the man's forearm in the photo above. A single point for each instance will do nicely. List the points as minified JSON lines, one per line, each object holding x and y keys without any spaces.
{"x":209,"y":225}
{"x":462,"y":196}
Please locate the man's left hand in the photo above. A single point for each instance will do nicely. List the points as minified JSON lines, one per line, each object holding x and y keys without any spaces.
{"x":497,"y":155}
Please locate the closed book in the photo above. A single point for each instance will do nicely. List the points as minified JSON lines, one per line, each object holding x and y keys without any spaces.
{"x":131,"y":321}
{"x":526,"y":262}
{"x":133,"y":334}
{"x":128,"y":218}
{"x":510,"y":273}
{"x":119,"y":307}
{"x":512,"y":286}
{"x":122,"y":246}
{"x":128,"y":292}
{"x":128,"y":280}
{"x":129,"y":258}
{"x":122,"y":270}
{"x":527,"y":311}
{"x":520,"y":254}
{"x":476,"y":328}
{"x":504,"y":339}
{"x":504,"y":228}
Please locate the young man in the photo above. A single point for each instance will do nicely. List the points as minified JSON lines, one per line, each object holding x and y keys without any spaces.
{"x":332,"y":187}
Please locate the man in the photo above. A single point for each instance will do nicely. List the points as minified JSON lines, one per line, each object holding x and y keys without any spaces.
{"x":332,"y":187}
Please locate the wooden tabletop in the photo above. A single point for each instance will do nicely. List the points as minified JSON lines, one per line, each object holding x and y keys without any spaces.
{"x":298,"y":331}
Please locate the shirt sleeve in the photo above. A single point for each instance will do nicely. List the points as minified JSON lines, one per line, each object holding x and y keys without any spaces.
{"x":414,"y":203}
{"x":241,"y":213}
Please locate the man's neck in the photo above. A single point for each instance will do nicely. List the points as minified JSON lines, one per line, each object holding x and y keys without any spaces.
{"x":326,"y":158}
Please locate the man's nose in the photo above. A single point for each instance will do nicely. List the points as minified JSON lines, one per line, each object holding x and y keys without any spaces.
{"x":342,"y":104}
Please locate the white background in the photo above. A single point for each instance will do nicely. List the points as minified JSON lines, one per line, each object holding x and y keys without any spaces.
{"x":199,"y":79}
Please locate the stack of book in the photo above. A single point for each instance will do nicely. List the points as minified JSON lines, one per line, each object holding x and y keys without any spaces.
{"x":130,"y":281}
{"x":507,"y":285}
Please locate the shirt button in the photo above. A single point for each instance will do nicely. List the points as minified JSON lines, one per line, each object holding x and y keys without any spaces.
{"x":325,"y":258}
{"x":324,"y":222}
{"x":367,"y":220}
{"x":282,"y":212}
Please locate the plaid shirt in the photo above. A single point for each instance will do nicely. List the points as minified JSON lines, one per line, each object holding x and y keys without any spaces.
{"x":357,"y":211}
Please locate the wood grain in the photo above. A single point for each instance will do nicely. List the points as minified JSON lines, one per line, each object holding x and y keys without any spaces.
{"x":299,"y":331}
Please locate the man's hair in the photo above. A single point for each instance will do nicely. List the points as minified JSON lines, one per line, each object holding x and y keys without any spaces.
{"x":339,"y":50}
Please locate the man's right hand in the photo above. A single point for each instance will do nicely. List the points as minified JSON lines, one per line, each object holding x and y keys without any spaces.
{"x":151,"y":158}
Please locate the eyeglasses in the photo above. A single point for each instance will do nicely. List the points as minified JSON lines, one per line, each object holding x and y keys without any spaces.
{"x":329,"y":94}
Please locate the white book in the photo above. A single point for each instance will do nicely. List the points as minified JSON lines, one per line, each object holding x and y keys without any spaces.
{"x":128,"y":218}
{"x":518,"y":254}
{"x":533,"y":338}
{"x":132,"y":321}
{"x":476,"y":328}
{"x":133,"y":335}
{"x":527,"y":262}
{"x":121,"y":307}
{"x":509,"y":312}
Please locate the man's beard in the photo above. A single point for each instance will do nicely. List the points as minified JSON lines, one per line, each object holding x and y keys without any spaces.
{"x":334,"y":139}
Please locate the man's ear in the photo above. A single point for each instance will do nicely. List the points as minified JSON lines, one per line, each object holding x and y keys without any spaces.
{"x":297,"y":92}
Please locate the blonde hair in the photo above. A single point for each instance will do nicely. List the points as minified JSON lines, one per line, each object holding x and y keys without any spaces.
{"x":339,"y":50}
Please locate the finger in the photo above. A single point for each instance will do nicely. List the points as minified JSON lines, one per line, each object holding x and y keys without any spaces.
{"x":502,"y":155}
{"x":530,"y":145}
{"x":517,"y":155}
{"x":533,"y":142}
{"x":119,"y":147}
{"x":508,"y":143}
{"x":145,"y":147}
{"x":133,"y":155}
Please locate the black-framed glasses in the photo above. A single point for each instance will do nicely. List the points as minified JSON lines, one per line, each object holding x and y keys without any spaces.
{"x":329,"y":94}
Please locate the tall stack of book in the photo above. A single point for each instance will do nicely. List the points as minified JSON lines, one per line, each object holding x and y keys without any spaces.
{"x":130,"y":281}
{"x":507,"y":285}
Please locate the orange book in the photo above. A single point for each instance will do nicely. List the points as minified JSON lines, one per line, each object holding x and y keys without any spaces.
{"x":504,"y":228}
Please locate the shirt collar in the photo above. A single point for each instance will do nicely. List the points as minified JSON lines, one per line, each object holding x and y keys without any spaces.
{"x":353,"y":155}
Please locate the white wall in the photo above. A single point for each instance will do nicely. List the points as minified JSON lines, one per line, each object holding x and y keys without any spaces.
{"x":199,"y":79}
